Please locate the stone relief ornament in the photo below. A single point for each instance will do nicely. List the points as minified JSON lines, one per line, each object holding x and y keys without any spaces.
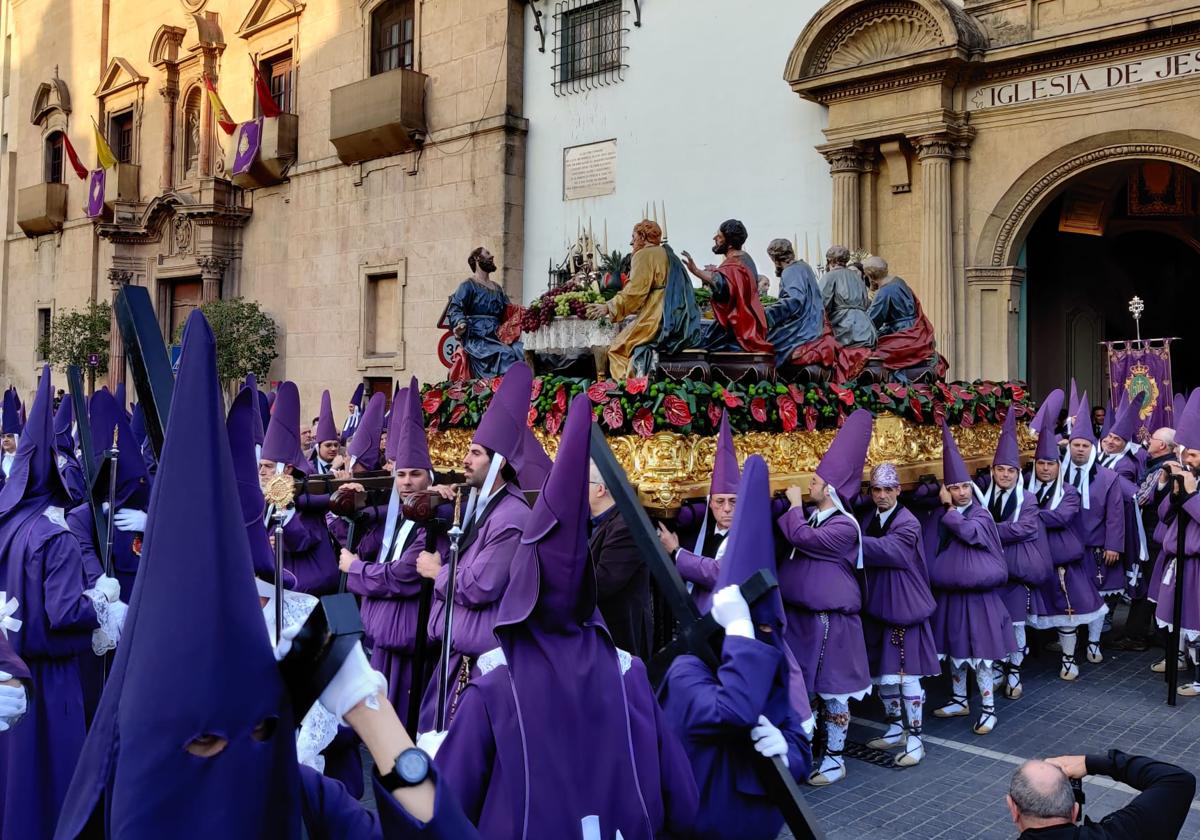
{"x":193,"y":5}
{"x":183,"y":235}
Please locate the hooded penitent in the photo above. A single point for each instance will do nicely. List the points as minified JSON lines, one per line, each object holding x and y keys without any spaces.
{"x":1187,"y":427}
{"x":133,"y":481}
{"x":10,"y":421}
{"x":239,"y":426}
{"x":363,"y":448}
{"x":281,"y":443}
{"x":195,"y":658}
{"x":954,"y":469}
{"x":326,"y":429}
{"x":566,"y":674}
{"x":504,"y":429}
{"x":63,"y":418}
{"x":1125,"y":424}
{"x":407,"y":444}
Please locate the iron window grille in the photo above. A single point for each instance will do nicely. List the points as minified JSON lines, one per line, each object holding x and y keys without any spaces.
{"x":121,"y":131}
{"x":590,"y":45}
{"x":277,"y":72}
{"x":393,"y":36}
{"x":54,"y":158}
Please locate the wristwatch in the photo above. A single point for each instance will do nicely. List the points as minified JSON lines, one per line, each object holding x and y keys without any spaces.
{"x":411,"y":768}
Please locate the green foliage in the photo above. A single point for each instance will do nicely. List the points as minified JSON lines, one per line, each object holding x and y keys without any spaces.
{"x":245,"y":337}
{"x":77,"y":333}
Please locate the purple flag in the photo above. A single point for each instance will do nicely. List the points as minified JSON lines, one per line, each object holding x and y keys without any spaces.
{"x":249,"y":138}
{"x":95,"y":199}
{"x":1143,"y":368}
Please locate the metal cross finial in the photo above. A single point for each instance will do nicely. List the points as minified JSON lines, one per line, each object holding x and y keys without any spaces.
{"x":1136,"y":308}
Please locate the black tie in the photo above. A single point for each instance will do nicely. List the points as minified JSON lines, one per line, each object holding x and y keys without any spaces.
{"x":1077,"y":478}
{"x":998,"y":507}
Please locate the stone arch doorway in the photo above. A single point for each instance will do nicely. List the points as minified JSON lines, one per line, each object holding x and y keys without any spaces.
{"x":1081,"y":233}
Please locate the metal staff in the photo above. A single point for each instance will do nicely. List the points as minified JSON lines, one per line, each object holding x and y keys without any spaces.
{"x":1177,"y":600}
{"x":455,"y":535}
{"x":420,"y":666}
{"x":279,"y":494}
{"x":111,"y":457}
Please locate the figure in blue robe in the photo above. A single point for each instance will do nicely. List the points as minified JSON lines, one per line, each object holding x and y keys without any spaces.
{"x":894,"y":308}
{"x":799,"y":316}
{"x":475,"y":312}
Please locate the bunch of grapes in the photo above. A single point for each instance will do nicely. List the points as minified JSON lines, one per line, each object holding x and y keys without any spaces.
{"x":570,"y":299}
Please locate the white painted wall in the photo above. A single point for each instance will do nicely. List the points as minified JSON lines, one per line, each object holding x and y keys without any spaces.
{"x":704,"y":121}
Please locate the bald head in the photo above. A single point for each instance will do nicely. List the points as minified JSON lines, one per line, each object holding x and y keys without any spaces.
{"x":1041,"y":794}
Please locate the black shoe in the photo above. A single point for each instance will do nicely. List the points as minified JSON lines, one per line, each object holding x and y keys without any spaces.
{"x":1131,"y":643}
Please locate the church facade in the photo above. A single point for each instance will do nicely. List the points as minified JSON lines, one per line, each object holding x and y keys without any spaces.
{"x":1029,"y":167}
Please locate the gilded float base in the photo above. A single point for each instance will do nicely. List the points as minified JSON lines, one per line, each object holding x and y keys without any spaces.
{"x":669,"y":468}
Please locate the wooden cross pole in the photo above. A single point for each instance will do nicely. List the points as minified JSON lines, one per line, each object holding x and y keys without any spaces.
{"x":146,"y":353}
{"x":697,"y":633}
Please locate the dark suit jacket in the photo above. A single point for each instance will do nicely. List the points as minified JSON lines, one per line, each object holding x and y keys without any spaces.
{"x":622,"y":584}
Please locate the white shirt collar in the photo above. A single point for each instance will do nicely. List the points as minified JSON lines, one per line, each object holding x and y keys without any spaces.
{"x":962,"y":508}
{"x":720,"y":532}
{"x":885,"y":515}
{"x":821,"y":515}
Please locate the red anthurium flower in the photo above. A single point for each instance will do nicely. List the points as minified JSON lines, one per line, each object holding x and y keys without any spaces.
{"x":597,"y":393}
{"x":731,"y":399}
{"x":432,"y":401}
{"x":676,"y":410}
{"x":457,"y":414}
{"x":787,"y":412}
{"x":758,"y":409}
{"x":643,"y":422}
{"x":636,"y":384}
{"x":614,"y":417}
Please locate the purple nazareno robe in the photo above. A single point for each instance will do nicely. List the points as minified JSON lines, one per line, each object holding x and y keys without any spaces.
{"x":822,"y":600}
{"x":41,"y":567}
{"x":308,"y":554}
{"x":898,"y":601}
{"x":561,"y":731}
{"x":1067,"y":598}
{"x":700,"y":571}
{"x":1101,"y":527}
{"x":713,"y":715}
{"x":1023,"y":539}
{"x":1189,"y":621}
{"x":968,"y":573}
{"x":484,"y":563}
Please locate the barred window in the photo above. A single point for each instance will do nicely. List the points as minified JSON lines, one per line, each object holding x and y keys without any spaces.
{"x":590,"y":44}
{"x":393,"y":37}
{"x":54,"y":157}
{"x":120,"y":135}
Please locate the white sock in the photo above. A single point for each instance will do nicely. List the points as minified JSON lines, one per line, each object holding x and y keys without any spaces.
{"x":1095,"y":628}
{"x":985,"y":681}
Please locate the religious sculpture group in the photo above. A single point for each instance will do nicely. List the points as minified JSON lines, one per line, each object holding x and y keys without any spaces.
{"x":855,"y":323}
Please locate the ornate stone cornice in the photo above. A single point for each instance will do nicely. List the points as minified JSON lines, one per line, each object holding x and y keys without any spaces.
{"x":989,"y":275}
{"x":934,"y":146}
{"x":211,"y":265}
{"x":1037,"y":192}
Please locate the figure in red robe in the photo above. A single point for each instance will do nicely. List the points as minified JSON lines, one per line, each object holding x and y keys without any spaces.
{"x":740,"y":322}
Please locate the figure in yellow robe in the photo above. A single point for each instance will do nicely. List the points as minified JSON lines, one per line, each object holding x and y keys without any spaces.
{"x":661,"y":295}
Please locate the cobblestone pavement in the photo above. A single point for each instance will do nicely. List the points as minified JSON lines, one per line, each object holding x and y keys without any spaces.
{"x":957,"y":792}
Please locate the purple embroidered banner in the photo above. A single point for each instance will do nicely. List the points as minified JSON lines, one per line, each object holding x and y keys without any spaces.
{"x":95,"y":200}
{"x":249,"y":138}
{"x":1143,"y":368}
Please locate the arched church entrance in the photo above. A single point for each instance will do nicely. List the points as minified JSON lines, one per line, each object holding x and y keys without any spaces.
{"x":1128,"y":227}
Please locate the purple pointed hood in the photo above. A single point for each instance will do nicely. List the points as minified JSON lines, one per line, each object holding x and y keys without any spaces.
{"x":1178,"y":403}
{"x":357,"y":397}
{"x":1073,"y":404}
{"x":263,"y":406}
{"x":119,"y":396}
{"x":10,"y":422}
{"x":1110,"y":415}
{"x":1187,"y":427}
{"x":33,"y":481}
{"x":1082,"y":428}
{"x":363,"y":448}
{"x":326,"y":429}
{"x":751,"y":543}
{"x":1047,"y":445}
{"x":137,"y":424}
{"x":504,"y":428}
{"x":133,"y":480}
{"x":1040,"y":416}
{"x":407,"y":440}
{"x":395,"y":422}
{"x":725,"y":476}
{"x":63,"y":418}
{"x":20,"y":409}
{"x":842,"y":466}
{"x":553,"y":583}
{"x":239,"y":428}
{"x":954,"y":469}
{"x":198,"y":630}
{"x":1125,"y":424}
{"x":282,"y":440}
{"x":1007,"y":452}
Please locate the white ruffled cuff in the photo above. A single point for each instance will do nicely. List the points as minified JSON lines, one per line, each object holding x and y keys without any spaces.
{"x":106,"y":636}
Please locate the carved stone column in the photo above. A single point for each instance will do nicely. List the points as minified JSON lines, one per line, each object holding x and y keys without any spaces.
{"x":170,"y":95}
{"x":212,"y":272}
{"x":936,"y":286}
{"x":116,"y":350}
{"x":845,"y":165}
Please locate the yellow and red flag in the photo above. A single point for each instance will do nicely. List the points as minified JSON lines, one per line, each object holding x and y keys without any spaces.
{"x":104,"y":152}
{"x":223,"y":119}
{"x":76,"y":163}
{"x":266,"y":102}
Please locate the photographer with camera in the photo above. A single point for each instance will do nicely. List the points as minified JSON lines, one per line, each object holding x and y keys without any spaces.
{"x":1044,"y":804}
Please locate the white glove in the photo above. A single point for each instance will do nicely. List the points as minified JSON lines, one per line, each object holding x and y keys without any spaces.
{"x":14,"y":702}
{"x":285,"y":642}
{"x":130,"y":519}
{"x":117,"y":613}
{"x":431,"y":742}
{"x":108,"y":587}
{"x":354,"y":682}
{"x":732,"y":612}
{"x":768,"y":740}
{"x":111,"y":618}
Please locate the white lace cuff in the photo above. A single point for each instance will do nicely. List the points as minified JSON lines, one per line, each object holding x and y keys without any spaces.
{"x":104,"y":637}
{"x":317,"y":731}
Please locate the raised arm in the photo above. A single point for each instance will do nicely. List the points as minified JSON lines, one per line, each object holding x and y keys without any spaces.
{"x":894,"y":549}
{"x":1163,"y":804}
{"x":971,"y":530}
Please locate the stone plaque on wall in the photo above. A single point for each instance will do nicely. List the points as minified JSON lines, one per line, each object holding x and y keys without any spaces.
{"x":590,"y":170}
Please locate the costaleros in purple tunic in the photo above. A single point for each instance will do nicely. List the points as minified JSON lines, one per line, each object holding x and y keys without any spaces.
{"x":562,"y":727}
{"x":698,"y":565}
{"x":43,"y":570}
{"x":1188,"y":569}
{"x":897,"y":597}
